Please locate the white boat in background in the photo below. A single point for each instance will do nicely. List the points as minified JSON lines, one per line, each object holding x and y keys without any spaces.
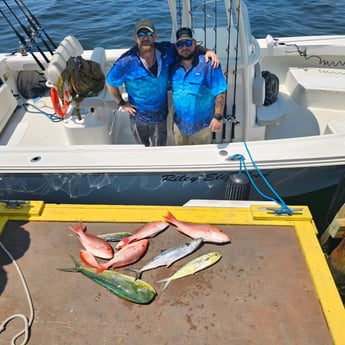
{"x":298,"y":142}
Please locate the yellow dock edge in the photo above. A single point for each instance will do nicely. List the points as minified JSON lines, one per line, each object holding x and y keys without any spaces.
{"x":301,"y":220}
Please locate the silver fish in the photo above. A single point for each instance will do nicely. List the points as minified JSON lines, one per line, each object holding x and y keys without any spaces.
{"x":169,"y":256}
{"x":114,"y":236}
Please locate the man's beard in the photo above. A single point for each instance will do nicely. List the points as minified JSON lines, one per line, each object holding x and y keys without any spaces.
{"x":145,"y":48}
{"x":187,"y":57}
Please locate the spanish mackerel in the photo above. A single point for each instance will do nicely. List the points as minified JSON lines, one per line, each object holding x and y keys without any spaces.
{"x":169,"y":256}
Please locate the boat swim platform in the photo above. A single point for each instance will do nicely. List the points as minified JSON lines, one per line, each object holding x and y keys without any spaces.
{"x":271,"y":286}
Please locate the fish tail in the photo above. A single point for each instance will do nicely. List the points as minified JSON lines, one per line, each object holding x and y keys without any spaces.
{"x":166,"y":281}
{"x":137,"y":272}
{"x":170,"y":218}
{"x":76,"y":268}
{"x":78,"y":228}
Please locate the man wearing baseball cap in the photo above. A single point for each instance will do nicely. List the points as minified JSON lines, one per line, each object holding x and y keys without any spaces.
{"x":198,"y":92}
{"x":144,"y":24}
{"x":144,"y":70}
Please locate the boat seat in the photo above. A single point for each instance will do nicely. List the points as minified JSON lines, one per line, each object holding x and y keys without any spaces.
{"x":335,"y":127}
{"x":69,"y":47}
{"x":266,"y":115}
{"x":316,"y":87}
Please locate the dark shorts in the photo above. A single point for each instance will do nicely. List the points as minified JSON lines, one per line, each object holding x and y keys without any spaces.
{"x":149,"y":134}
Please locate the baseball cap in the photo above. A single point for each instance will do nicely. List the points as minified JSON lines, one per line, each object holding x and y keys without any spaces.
{"x":144,"y":24}
{"x":184,"y":34}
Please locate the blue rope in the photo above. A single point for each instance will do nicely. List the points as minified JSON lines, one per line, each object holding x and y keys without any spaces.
{"x":51,"y":116}
{"x":283,"y":207}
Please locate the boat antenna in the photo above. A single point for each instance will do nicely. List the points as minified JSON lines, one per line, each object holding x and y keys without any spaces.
{"x":22,"y":40}
{"x":32,"y":41}
{"x":35,"y":28}
{"x":234,"y":122}
{"x":33,"y":17}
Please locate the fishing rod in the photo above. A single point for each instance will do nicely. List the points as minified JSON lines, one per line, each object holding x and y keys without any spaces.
{"x":225,"y":110}
{"x":26,"y":31}
{"x":22,"y":40}
{"x":233,"y":115}
{"x":38,"y":24}
{"x":215,"y":25}
{"x":204,"y":28}
{"x":37,"y":30}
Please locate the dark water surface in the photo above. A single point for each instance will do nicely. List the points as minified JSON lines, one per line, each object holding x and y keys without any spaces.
{"x":110,"y":23}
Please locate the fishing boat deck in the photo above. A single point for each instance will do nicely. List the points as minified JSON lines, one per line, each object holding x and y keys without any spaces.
{"x":32,"y":126}
{"x":264,"y":290}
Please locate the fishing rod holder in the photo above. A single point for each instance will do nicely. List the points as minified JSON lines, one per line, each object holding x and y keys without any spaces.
{"x":232,"y":119}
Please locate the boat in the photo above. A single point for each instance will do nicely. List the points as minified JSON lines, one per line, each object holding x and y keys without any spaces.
{"x":295,"y":145}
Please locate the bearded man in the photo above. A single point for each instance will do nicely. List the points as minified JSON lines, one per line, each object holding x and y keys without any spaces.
{"x":144,"y":71}
{"x":198,"y":92}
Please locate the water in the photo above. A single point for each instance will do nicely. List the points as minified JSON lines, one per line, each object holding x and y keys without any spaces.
{"x":111,"y":24}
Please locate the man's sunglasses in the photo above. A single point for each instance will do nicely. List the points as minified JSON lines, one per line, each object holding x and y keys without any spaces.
{"x":142,"y":34}
{"x":181,"y":44}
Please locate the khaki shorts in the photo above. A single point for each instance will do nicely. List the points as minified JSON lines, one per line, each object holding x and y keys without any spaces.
{"x":202,"y":137}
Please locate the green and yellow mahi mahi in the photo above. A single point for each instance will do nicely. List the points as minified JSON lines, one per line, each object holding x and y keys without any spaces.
{"x":124,"y":286}
{"x":192,"y":267}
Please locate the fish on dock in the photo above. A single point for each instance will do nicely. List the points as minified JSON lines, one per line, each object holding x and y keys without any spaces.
{"x":146,"y":231}
{"x":209,"y":233}
{"x":123,"y":286}
{"x":114,"y":236}
{"x":89,"y":259}
{"x":95,"y":245}
{"x":127,"y":255}
{"x":169,"y":256}
{"x":196,"y":265}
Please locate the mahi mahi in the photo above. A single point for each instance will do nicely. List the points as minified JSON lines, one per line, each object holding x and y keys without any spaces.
{"x":124,"y":286}
{"x":169,"y":256}
{"x":192,"y":267}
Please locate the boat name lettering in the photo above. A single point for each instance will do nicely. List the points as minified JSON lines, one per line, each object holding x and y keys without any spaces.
{"x":179,"y":178}
{"x":216,"y":176}
{"x":193,"y":178}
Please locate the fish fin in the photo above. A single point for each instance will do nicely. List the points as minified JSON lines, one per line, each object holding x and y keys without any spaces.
{"x":78,"y":228}
{"x":72,"y":269}
{"x":137,"y":272}
{"x":166,"y":281}
{"x":122,"y":243}
{"x":101,"y":269}
{"x":170,"y":218}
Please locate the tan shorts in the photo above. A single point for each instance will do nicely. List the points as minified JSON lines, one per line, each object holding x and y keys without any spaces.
{"x":202,"y":137}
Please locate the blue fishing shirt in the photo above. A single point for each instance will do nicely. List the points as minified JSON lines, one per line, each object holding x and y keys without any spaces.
{"x":146,"y":91}
{"x":194,"y":92}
